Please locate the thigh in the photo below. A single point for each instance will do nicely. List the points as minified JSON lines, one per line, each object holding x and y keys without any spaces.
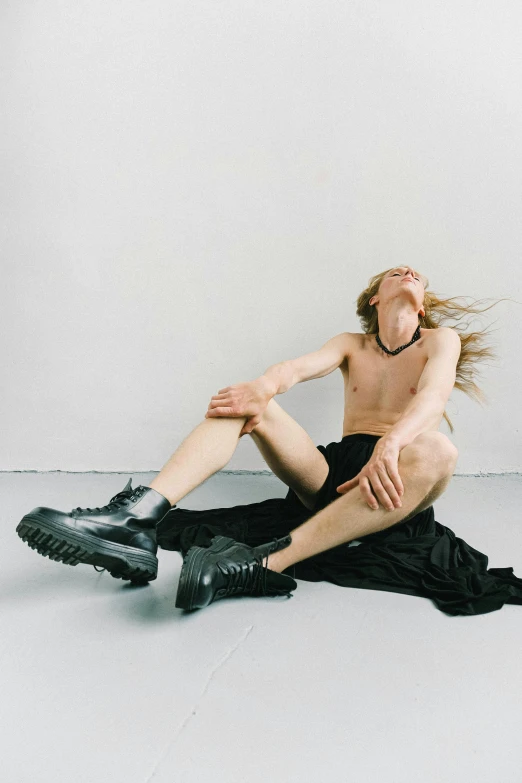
{"x":290,"y":452}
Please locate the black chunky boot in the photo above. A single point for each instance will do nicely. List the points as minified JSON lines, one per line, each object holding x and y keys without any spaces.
{"x":119,"y":537}
{"x":228,"y":567}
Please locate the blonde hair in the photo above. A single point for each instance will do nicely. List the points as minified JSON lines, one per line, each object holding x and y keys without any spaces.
{"x":437,"y":311}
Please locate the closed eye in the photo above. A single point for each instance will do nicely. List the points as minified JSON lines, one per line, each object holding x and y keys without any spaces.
{"x":398,"y":273}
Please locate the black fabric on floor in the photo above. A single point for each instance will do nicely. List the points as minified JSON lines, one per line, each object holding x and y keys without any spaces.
{"x":418,"y":557}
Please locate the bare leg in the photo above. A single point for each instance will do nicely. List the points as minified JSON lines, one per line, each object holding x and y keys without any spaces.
{"x":349,"y":517}
{"x":207,"y":449}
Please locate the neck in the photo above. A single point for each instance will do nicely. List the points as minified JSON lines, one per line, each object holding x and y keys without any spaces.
{"x":397,"y":325}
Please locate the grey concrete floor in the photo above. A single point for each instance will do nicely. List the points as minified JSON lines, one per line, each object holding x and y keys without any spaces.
{"x":104,"y":682}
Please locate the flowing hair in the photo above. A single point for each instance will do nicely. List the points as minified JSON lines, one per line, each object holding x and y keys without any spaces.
{"x":437,"y":312}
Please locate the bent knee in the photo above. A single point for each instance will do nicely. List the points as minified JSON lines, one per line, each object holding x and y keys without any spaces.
{"x":435,"y":440}
{"x":436,"y":448}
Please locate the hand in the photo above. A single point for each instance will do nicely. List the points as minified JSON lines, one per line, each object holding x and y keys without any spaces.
{"x":381,"y":474}
{"x":243,"y":399}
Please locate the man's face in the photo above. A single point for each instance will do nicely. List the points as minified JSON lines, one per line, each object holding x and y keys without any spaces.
{"x":403,"y":282}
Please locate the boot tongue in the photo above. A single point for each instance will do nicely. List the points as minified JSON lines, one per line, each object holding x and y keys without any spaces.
{"x":273,"y":546}
{"x":280,"y":581}
{"x":128,"y":486}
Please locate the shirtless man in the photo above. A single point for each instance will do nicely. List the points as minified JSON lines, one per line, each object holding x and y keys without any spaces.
{"x":400,"y":398}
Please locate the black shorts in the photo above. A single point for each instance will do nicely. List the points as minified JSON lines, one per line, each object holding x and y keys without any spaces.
{"x":345,"y":459}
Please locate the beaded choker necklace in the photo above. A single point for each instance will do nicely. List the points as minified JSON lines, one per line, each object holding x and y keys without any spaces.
{"x":402,"y":347}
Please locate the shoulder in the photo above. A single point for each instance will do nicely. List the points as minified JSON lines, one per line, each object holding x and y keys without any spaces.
{"x":441,"y":339}
{"x":355,"y":341}
{"x":442,"y":333}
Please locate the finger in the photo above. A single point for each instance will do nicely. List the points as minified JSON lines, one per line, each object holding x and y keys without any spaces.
{"x":247,"y":429}
{"x":220,"y":396}
{"x":380,"y":491}
{"x":346,"y":486}
{"x":219,"y":403}
{"x":253,"y":423}
{"x":366,"y":492}
{"x":221,"y":412}
{"x":389,"y":487}
{"x":395,"y":477}
{"x":224,"y":390}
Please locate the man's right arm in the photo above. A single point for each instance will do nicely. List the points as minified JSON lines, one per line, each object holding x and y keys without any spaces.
{"x":279,"y":378}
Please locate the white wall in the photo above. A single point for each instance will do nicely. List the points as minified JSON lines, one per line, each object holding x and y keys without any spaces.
{"x":193,"y":191}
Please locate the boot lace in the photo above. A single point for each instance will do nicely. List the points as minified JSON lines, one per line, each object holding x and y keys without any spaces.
{"x":120,"y":499}
{"x":249,"y":577}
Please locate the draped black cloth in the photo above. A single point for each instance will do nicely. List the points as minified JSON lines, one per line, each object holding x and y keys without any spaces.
{"x":418,"y":556}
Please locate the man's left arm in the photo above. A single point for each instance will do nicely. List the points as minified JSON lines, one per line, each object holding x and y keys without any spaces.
{"x":425,"y":409}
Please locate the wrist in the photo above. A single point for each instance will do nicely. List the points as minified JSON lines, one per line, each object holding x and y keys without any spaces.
{"x":269,"y":386}
{"x":392,"y":440}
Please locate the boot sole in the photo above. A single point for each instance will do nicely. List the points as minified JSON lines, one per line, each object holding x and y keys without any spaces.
{"x":58,"y":542}
{"x":191,"y":572}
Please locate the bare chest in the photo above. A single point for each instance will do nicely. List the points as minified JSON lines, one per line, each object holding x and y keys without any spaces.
{"x":378,"y":387}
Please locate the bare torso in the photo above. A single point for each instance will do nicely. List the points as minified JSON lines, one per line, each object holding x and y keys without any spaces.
{"x":378,"y":387}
